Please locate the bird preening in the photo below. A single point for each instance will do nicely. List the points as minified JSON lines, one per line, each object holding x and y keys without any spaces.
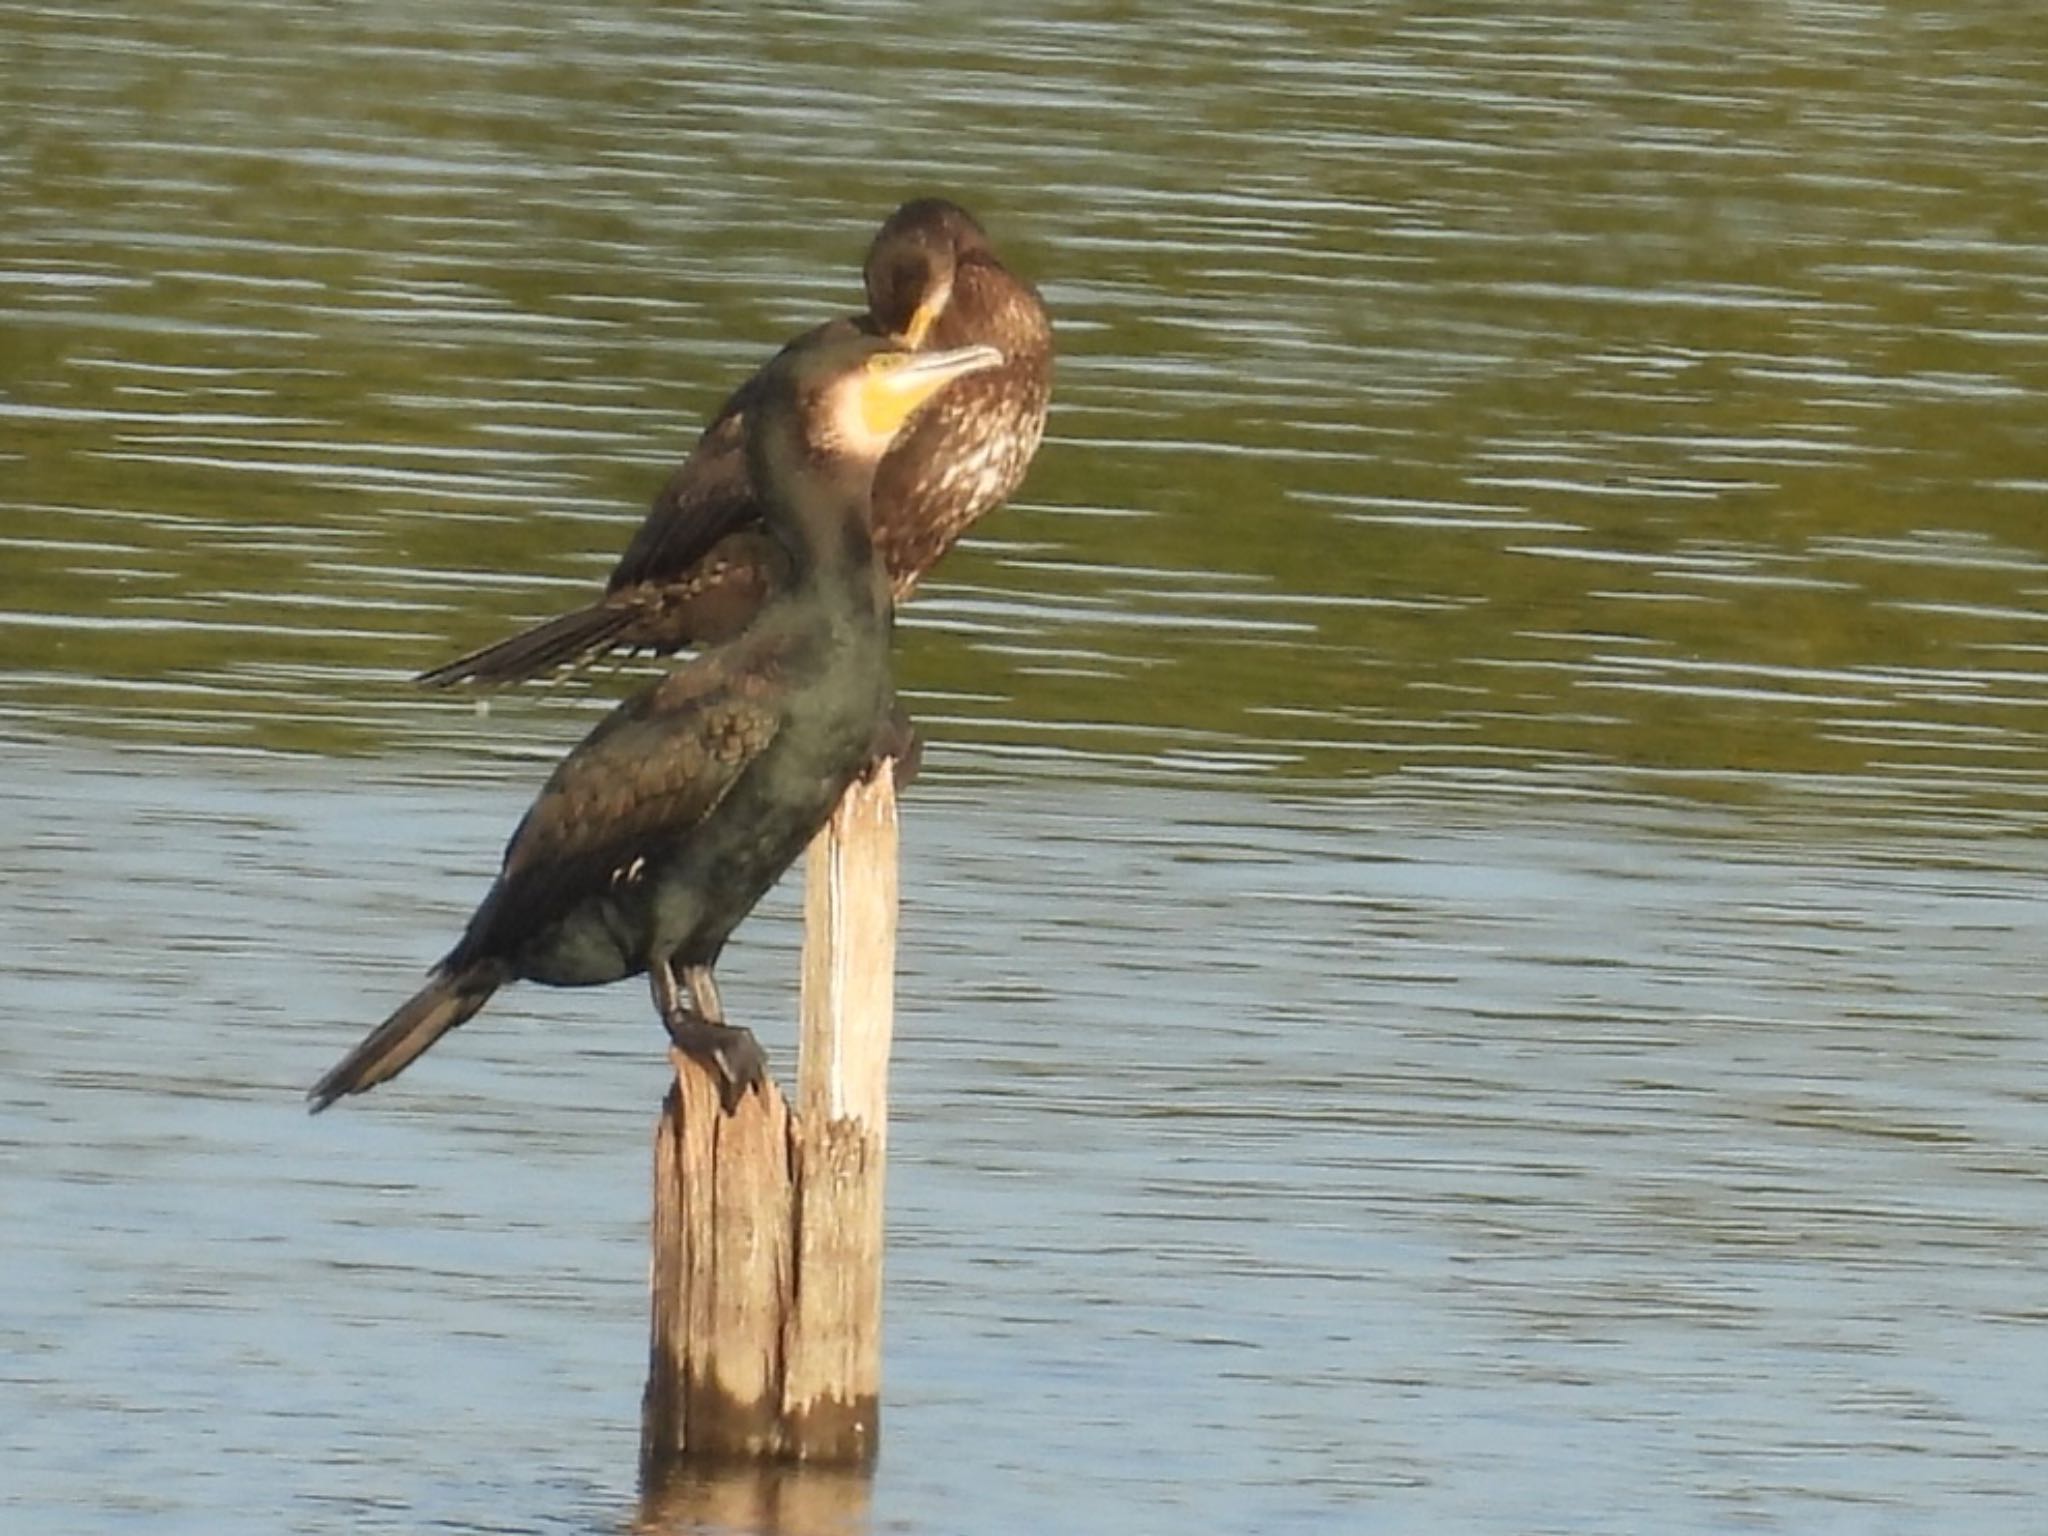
{"x":828,"y":483}
{"x":699,"y":567}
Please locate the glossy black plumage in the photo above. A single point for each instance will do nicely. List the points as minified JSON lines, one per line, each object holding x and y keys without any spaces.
{"x":657,"y":834}
{"x":699,"y":566}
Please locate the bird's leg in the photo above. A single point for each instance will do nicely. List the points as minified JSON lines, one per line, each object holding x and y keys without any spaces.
{"x":698,"y":1029}
{"x":738,"y":1054}
{"x":668,"y":1002}
{"x":900,"y":739}
{"x":704,"y":993}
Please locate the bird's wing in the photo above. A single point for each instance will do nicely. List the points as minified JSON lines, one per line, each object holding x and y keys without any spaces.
{"x":650,"y":772}
{"x":704,"y":498}
{"x":709,"y":494}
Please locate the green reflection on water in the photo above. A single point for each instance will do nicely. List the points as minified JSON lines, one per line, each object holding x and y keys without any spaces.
{"x":1658,"y":403}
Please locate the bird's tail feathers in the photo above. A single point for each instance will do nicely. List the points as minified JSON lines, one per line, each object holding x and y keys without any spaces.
{"x":448,"y":999}
{"x":568,"y":639}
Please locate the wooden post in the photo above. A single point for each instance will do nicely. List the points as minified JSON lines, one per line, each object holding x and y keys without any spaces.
{"x":832,"y":1389}
{"x":766,"y":1331}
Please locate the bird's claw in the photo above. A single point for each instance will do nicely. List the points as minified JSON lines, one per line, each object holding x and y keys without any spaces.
{"x":898,"y":741}
{"x":730,"y":1051}
{"x":742,"y":1065}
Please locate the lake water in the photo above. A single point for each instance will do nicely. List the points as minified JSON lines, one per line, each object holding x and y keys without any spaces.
{"x":1473,"y":947}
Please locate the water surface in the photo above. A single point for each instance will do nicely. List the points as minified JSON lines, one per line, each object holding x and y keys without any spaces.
{"x":1552,"y":1169}
{"x":1472,"y":949}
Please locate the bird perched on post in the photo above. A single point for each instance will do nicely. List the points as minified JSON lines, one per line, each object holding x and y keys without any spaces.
{"x":660,"y":831}
{"x":700,"y":566}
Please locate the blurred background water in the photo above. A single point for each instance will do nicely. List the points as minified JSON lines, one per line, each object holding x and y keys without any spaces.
{"x":1472,"y":946}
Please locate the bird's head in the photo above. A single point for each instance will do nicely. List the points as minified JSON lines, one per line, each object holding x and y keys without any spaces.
{"x":836,"y":405}
{"x":912,"y":262}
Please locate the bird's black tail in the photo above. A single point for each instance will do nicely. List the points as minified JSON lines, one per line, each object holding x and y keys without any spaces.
{"x":565,"y":640}
{"x":444,"y":1002}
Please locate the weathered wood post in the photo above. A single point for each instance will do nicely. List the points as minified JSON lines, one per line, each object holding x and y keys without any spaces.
{"x":765,"y":1338}
{"x":833,"y":1373}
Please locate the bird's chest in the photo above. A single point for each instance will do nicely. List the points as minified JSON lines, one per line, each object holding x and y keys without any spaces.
{"x":702,"y":884}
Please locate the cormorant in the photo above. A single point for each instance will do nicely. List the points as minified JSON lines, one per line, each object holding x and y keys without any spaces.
{"x":699,"y":567}
{"x":659,"y":832}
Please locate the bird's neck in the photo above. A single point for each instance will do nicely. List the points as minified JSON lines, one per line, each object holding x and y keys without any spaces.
{"x":822,"y":524}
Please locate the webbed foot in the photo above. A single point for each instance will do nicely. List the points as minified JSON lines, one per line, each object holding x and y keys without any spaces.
{"x":732,"y":1052}
{"x":900,"y":739}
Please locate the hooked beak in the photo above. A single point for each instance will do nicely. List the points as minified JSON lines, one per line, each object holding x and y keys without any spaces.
{"x":924,"y":318}
{"x":892,"y":392}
